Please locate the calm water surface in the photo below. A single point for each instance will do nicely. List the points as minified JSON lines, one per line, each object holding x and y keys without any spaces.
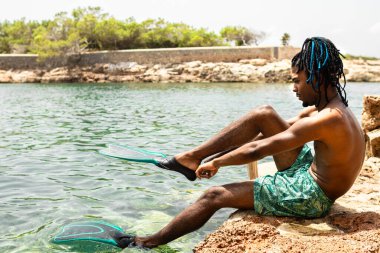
{"x":51,"y":173}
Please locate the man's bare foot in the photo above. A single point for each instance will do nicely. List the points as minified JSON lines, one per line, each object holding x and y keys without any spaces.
{"x":145,"y":242}
{"x":186,"y":165}
{"x":188,"y":161}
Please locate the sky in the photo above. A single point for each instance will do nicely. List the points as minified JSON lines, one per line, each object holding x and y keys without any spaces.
{"x":353,"y":25}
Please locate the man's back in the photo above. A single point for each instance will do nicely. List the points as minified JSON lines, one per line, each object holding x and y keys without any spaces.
{"x":339,"y":154}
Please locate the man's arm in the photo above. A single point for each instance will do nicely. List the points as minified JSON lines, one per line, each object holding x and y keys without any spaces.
{"x":302,"y":131}
{"x":307,"y":112}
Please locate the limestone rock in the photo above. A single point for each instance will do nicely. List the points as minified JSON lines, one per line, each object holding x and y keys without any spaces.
{"x":5,"y":76}
{"x":122,"y":78}
{"x":25,"y":77}
{"x":250,"y":70}
{"x":373,"y":143}
{"x":255,"y":62}
{"x":163,"y":74}
{"x":193,"y":64}
{"x":371,"y":113}
{"x":60,"y":75}
{"x":362,"y":70}
{"x":370,"y":171}
{"x":124,"y":68}
{"x":93,"y":77}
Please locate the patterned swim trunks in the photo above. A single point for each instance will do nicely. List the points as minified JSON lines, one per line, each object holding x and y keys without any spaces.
{"x":292,"y":192}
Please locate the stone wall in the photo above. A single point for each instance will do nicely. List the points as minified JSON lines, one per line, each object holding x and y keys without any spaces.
{"x":150,"y":56}
{"x":371,"y":125}
{"x":18,"y":61}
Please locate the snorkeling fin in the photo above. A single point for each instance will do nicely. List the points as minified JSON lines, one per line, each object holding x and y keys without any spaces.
{"x":135,"y":154}
{"x":132,"y":154}
{"x":93,"y":231}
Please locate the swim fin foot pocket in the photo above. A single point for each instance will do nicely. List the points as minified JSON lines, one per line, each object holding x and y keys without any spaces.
{"x":124,"y":240}
{"x":173,"y":165}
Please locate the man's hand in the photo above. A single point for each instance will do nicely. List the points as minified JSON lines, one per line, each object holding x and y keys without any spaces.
{"x":206,"y":170}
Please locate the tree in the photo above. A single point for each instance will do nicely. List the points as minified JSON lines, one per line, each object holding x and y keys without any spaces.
{"x":285,"y":39}
{"x":56,"y":37}
{"x":46,"y":47}
{"x":16,"y":35}
{"x":132,"y":36}
{"x":5,"y":45}
{"x":241,"y":36}
{"x":109,"y":33}
{"x":91,"y":29}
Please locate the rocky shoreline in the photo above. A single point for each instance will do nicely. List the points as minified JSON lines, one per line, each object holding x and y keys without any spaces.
{"x":249,"y":71}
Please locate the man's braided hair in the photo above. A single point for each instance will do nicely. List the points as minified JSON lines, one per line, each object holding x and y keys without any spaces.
{"x":322,"y":63}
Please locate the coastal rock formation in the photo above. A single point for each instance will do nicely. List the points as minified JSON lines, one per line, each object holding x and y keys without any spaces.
{"x":251,"y":71}
{"x":5,"y":77}
{"x":371,"y":125}
{"x":373,"y":143}
{"x":362,"y":70}
{"x":353,"y":224}
{"x":371,"y":113}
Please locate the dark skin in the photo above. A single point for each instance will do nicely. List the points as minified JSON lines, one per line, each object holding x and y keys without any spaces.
{"x":339,"y":153}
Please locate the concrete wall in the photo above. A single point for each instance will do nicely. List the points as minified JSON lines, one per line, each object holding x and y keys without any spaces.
{"x":18,"y":61}
{"x":150,"y":56}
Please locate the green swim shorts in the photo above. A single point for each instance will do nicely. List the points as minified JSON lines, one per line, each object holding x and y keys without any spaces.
{"x":292,"y":192}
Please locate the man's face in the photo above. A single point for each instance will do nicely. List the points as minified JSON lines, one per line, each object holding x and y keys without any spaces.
{"x":304,"y":91}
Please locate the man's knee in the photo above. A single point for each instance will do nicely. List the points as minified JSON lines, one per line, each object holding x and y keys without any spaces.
{"x":263,"y":112}
{"x":214,"y":196}
{"x":266,"y":110}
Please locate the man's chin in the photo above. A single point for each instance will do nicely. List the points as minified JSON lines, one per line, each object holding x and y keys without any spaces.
{"x":305,"y":104}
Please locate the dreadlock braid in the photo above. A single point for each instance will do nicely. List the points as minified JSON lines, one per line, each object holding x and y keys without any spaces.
{"x":321,"y":60}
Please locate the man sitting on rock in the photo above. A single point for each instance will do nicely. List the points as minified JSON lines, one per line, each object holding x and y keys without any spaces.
{"x":303,"y":186}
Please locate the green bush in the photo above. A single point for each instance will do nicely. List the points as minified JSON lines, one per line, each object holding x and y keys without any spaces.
{"x":358,"y":57}
{"x":90,"y":29}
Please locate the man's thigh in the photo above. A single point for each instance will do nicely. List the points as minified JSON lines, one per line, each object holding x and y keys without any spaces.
{"x":273,"y":124}
{"x":235,"y":195}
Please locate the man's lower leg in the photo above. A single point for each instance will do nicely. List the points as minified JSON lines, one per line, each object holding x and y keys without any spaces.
{"x":234,"y":135}
{"x":192,"y":218}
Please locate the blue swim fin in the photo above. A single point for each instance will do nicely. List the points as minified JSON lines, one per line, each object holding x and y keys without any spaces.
{"x":134,"y":154}
{"x":93,"y":231}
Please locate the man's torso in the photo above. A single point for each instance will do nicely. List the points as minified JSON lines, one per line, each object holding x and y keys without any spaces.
{"x":340,"y":154}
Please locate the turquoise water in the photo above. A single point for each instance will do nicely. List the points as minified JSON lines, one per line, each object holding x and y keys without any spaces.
{"x":51,"y":173}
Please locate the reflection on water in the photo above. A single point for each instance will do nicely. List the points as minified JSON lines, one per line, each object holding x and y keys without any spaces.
{"x":51,"y":173}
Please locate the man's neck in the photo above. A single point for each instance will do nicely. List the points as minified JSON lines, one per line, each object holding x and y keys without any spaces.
{"x":331,"y":95}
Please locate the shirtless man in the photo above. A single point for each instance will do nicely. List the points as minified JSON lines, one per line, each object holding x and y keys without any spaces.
{"x":303,"y":186}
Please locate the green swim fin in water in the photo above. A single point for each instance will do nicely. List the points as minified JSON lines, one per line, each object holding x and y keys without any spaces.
{"x":134,"y":154}
{"x":94,"y":231}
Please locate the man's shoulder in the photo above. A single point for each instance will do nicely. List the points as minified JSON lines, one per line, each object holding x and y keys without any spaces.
{"x":334,"y":116}
{"x":308,"y":112}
